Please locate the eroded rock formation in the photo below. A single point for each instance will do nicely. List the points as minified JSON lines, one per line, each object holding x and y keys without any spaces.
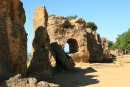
{"x":13,"y":39}
{"x":94,"y":46}
{"x":61,"y":31}
{"x":84,"y":44}
{"x":18,"y":81}
{"x":40,"y":66}
{"x":106,"y":52}
{"x":63,"y":61}
{"x":40,"y":19}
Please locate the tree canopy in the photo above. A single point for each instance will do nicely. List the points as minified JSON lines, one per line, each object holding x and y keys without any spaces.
{"x":110,"y":44}
{"x":91,"y":25}
{"x":122,"y":41}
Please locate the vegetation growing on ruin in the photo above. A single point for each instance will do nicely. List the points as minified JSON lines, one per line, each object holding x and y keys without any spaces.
{"x":71,"y":17}
{"x":68,"y":17}
{"x":56,"y":22}
{"x":91,"y":25}
{"x":50,"y":15}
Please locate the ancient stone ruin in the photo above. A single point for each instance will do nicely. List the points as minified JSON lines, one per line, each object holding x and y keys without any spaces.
{"x":51,"y":34}
{"x":84,"y":44}
{"x":106,"y":52}
{"x":40,"y":65}
{"x":61,"y":31}
{"x":13,"y":39}
{"x":48,"y":45}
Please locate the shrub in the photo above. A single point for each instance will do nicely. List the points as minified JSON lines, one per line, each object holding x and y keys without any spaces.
{"x":71,"y":17}
{"x":56,"y":22}
{"x":50,"y":15}
{"x":91,"y":25}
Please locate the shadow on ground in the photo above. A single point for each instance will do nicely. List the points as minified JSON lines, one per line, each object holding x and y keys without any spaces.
{"x":106,"y":60}
{"x":109,"y":60}
{"x":75,"y":78}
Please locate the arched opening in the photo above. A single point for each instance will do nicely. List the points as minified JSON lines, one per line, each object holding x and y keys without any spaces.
{"x":67,"y":25}
{"x":72,"y":46}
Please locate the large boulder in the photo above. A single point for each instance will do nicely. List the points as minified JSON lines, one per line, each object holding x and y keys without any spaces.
{"x":13,"y":39}
{"x":18,"y":81}
{"x":63,"y":61}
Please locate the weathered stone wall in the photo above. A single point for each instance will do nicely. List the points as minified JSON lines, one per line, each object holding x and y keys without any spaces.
{"x":44,"y":57}
{"x":94,"y":46}
{"x":106,"y":51}
{"x":13,"y":39}
{"x":84,"y":44}
{"x":40,"y":19}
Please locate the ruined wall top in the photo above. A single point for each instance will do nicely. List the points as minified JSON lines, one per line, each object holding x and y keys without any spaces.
{"x":40,"y":17}
{"x":65,"y":23}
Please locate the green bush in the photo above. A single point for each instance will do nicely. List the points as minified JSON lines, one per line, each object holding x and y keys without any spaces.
{"x":56,"y":22}
{"x":50,"y":15}
{"x":91,"y":25}
{"x":71,"y":17}
{"x":110,"y":44}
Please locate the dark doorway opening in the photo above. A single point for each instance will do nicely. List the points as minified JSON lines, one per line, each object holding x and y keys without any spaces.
{"x":72,"y":46}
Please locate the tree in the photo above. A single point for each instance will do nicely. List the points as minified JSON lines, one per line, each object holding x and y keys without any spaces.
{"x":91,"y":25}
{"x":110,"y":43}
{"x":122,"y":41}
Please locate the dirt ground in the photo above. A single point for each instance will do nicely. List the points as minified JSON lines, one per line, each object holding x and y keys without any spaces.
{"x":115,"y":74}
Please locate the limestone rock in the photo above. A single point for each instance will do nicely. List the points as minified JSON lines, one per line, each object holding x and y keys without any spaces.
{"x":18,"y":81}
{"x":40,"y":66}
{"x":46,"y":84}
{"x":78,"y":23}
{"x":84,"y":45}
{"x":61,"y":31}
{"x":40,"y":19}
{"x":13,"y":41}
{"x":94,"y":46}
{"x":52,"y":58}
{"x":62,"y":60}
{"x":106,"y":52}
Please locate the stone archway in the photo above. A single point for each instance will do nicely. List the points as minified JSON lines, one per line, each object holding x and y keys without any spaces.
{"x":73,"y":45}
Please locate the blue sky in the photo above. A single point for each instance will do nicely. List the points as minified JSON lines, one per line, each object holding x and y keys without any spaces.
{"x":111,"y":16}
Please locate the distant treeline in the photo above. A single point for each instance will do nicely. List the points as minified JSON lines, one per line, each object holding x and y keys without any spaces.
{"x":122,"y":42}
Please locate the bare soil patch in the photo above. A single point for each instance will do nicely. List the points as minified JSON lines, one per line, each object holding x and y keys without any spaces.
{"x":116,"y":74}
